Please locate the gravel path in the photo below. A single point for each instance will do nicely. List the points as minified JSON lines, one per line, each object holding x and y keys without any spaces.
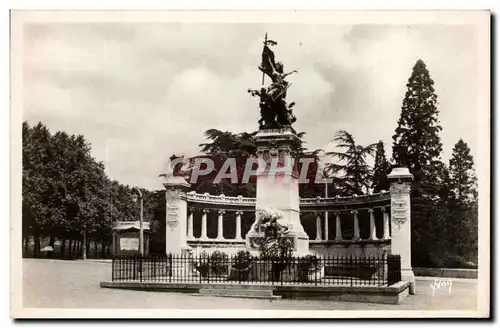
{"x":75,"y":284}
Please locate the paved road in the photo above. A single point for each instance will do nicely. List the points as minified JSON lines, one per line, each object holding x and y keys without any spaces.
{"x":75,"y":284}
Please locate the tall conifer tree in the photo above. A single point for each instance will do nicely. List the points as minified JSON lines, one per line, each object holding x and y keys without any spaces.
{"x":417,"y":145}
{"x":463,"y":206}
{"x":380,"y":170}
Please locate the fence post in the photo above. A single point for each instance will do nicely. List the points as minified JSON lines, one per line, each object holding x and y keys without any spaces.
{"x":351,"y":266}
{"x":134,"y":268}
{"x":113,"y":269}
{"x":383,"y":270}
{"x":199,"y":265}
{"x":208,"y":271}
{"x":282,"y":270}
{"x":240,"y":271}
{"x":170,"y":270}
{"x":316,"y":273}
{"x":154,"y":268}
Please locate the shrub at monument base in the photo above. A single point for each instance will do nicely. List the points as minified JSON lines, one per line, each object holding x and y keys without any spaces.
{"x":310,"y":268}
{"x":241,"y":268}
{"x":213,"y":265}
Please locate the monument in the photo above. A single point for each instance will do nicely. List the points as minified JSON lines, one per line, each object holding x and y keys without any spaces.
{"x":276,"y":140}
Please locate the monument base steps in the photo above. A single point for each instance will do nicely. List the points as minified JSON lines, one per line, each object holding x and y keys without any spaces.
{"x":239,"y":293}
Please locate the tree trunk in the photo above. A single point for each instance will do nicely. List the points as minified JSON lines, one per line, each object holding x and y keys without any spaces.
{"x":84,"y":246}
{"x":36,"y":249}
{"x":63,"y":247}
{"x":26,"y":245}
{"x":103,"y":254}
{"x":52,"y":241}
{"x":87,"y":248}
{"x":78,"y":248}
{"x":73,"y":250}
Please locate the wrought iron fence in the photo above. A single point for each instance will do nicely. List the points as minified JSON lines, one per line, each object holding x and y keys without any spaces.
{"x":312,"y":270}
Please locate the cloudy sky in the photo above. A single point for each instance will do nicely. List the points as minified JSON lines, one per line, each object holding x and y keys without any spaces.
{"x":140,"y":92}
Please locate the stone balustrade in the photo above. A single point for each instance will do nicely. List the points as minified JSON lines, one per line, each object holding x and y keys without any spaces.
{"x":206,"y":198}
{"x":317,"y":202}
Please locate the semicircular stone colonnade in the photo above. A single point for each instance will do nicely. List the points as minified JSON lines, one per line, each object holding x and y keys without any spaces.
{"x":341,"y":225}
{"x":366,"y":225}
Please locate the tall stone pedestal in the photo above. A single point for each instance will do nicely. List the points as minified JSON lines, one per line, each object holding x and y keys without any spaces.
{"x":400,"y":179}
{"x":277,"y":186}
{"x":176,"y":215}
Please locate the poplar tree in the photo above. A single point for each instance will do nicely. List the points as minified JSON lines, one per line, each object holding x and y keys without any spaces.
{"x":463,"y":204}
{"x":462,"y":175}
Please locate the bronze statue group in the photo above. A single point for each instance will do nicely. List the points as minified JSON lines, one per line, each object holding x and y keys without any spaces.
{"x":274,"y":110}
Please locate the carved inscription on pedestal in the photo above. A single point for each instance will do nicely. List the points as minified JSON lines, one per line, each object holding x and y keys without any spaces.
{"x":399,"y":204}
{"x":173,"y":210}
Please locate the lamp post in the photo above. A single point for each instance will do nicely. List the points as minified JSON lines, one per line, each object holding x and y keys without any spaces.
{"x":141,"y":231}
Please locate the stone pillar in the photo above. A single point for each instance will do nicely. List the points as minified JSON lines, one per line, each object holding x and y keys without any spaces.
{"x":220,"y":231}
{"x":238,"y":225}
{"x":338,"y":227}
{"x":326,"y":226}
{"x":386,"y":223}
{"x":400,"y":180}
{"x":318,"y":227}
{"x":204,"y":225}
{"x":190,"y":225}
{"x":356,"y":225}
{"x":176,"y":214}
{"x":373,"y":227}
{"x":176,"y":222}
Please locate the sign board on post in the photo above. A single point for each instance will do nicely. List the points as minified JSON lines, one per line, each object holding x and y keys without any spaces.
{"x":129,"y":244}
